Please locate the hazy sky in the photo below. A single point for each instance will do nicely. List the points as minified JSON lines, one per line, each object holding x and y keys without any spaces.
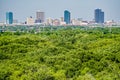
{"x":55,"y":8}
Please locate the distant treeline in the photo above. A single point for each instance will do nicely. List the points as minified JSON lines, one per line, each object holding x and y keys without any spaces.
{"x":41,"y":28}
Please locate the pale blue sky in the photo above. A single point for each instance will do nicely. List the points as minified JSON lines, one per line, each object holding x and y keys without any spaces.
{"x":55,"y":8}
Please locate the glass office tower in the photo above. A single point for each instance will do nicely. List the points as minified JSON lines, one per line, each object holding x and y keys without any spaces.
{"x":99,"y":16}
{"x":67,"y":17}
{"x":9,"y":17}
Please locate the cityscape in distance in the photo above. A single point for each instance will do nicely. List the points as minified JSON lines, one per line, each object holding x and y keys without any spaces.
{"x":59,"y":40}
{"x":99,"y":19}
{"x":57,"y":13}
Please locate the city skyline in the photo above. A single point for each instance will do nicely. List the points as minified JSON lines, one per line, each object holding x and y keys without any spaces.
{"x":54,"y":9}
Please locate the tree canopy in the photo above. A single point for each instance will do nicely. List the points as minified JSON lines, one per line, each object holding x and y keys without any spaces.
{"x":65,"y":54}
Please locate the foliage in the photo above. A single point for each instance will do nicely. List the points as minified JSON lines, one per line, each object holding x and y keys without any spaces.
{"x":64,"y":54}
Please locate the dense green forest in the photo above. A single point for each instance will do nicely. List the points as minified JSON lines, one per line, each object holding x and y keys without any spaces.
{"x":64,"y":54}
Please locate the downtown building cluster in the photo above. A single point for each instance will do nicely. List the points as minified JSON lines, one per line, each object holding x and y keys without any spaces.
{"x":66,"y":20}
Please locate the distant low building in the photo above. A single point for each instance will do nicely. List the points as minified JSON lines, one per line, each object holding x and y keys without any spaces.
{"x":84,"y":23}
{"x":61,"y":19}
{"x":78,"y":22}
{"x":56,"y":22}
{"x":30,"y":21}
{"x":110,"y":23}
{"x":49,"y":21}
{"x":75,"y":22}
{"x":63,"y":23}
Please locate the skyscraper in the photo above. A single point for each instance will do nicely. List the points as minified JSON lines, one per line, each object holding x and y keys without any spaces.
{"x":9,"y":17}
{"x":99,"y":16}
{"x":40,"y":17}
{"x":67,"y":17}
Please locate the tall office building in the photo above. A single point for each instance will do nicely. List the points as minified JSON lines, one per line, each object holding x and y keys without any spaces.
{"x":67,"y":17}
{"x":9,"y":17}
{"x":99,"y":16}
{"x":40,"y":17}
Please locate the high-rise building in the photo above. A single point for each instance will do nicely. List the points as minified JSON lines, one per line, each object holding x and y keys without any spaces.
{"x":99,"y":16}
{"x":40,"y":17}
{"x":67,"y":17}
{"x":9,"y":17}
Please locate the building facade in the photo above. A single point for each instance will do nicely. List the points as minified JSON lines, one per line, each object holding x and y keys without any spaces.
{"x":9,"y":18}
{"x":30,"y":21}
{"x":40,"y":17}
{"x":99,"y":16}
{"x":67,"y":17}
